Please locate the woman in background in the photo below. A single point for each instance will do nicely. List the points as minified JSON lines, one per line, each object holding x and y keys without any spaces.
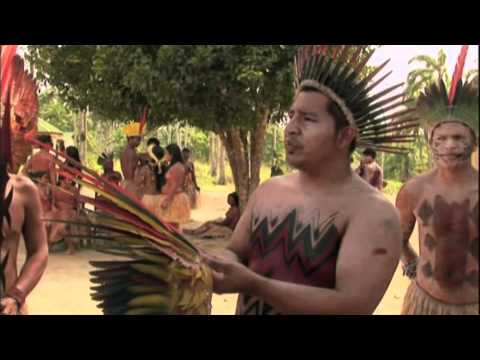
{"x":174,"y":202}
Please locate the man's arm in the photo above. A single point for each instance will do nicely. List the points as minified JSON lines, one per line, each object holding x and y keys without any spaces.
{"x":405,"y":206}
{"x":128,"y":163}
{"x":35,"y":241}
{"x":366,"y":265}
{"x":52,"y":173}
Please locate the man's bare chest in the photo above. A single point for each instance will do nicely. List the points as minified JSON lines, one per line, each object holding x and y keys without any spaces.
{"x":306,"y":226}
{"x":449,"y":237}
{"x":446,"y":212}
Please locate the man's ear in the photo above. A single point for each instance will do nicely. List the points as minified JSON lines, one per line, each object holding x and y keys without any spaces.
{"x":346,"y":137}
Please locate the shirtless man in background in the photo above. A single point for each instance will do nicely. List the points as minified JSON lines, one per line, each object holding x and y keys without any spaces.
{"x":444,"y":203}
{"x":25,"y":212}
{"x":41,"y":169}
{"x":370,"y":171}
{"x":129,"y":158}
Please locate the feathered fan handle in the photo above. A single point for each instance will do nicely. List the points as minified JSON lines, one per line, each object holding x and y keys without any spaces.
{"x":457,"y":76}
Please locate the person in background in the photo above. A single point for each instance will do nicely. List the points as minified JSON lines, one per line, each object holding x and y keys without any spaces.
{"x":370,"y":170}
{"x":129,"y":158}
{"x":191,"y":186}
{"x":221,"y":228}
{"x":175,"y":204}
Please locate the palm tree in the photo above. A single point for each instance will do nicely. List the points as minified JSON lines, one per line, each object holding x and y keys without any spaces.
{"x":432,"y":69}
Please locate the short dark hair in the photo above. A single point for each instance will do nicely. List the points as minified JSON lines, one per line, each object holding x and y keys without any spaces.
{"x":236,"y":198}
{"x":370,"y":152}
{"x":159,"y":152}
{"x":153,"y":141}
{"x":73,"y":153}
{"x":186,"y":150}
{"x":45,"y":139}
{"x":341,"y":121}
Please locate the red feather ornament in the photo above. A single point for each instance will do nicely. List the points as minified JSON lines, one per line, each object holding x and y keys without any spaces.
{"x":457,"y":76}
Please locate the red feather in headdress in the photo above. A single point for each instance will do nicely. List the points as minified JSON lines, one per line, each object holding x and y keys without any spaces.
{"x":457,"y":76}
{"x":7,"y":55}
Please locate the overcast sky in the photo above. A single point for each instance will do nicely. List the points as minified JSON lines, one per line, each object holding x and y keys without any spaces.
{"x":400,"y":55}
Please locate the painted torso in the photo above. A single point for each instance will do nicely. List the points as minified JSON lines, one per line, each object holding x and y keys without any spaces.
{"x":447,"y":218}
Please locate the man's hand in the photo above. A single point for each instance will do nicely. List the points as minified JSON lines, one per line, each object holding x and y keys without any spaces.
{"x":410,"y":269}
{"x":231,"y":277}
{"x":166,"y":204}
{"x":8,"y":306}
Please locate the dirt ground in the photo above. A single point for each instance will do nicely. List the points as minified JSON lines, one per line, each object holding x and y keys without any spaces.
{"x":64,"y":289}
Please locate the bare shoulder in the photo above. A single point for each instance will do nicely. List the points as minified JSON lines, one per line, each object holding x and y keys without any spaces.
{"x":379,"y":209}
{"x":23,"y":185}
{"x":417,"y":183}
{"x":276,"y":186}
{"x":376,"y":225}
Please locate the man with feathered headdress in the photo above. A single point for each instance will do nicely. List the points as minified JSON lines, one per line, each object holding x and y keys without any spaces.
{"x":322,"y":241}
{"x":444,"y":202}
{"x":129,"y":158}
{"x":20,"y":214}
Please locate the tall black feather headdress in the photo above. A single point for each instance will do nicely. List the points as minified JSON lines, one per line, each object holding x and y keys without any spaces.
{"x":381,"y":119}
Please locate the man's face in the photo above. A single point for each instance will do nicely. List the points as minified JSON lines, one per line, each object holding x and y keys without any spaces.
{"x":452,"y":145}
{"x":310,"y":136}
{"x":186,"y":156}
{"x":367,"y":159}
{"x":135,"y":141}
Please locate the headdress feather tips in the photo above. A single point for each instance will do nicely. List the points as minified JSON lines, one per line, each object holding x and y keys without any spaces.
{"x":436,"y":106}
{"x":381,"y":118}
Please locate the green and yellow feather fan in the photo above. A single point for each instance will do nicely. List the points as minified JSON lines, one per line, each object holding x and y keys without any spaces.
{"x":436,"y":105}
{"x":156,"y":271}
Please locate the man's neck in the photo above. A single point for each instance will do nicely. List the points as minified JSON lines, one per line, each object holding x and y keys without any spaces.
{"x":457,"y":175}
{"x":331,"y":175}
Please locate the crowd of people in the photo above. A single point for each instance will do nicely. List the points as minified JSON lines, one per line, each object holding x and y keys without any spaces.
{"x":163,"y":179}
